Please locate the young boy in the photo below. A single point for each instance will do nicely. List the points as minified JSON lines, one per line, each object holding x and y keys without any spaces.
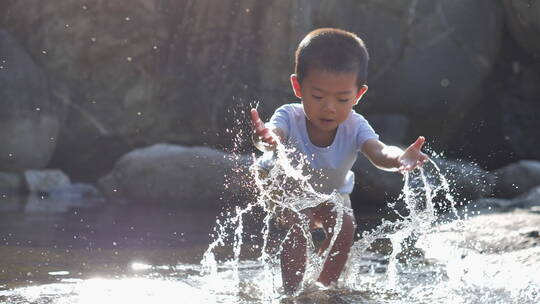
{"x":330,"y":79}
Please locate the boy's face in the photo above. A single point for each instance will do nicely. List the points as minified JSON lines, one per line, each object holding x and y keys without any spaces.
{"x":327,"y":97}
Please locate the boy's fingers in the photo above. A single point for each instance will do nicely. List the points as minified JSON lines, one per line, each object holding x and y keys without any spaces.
{"x":256,"y":119}
{"x":419,"y":142}
{"x":254,"y":115}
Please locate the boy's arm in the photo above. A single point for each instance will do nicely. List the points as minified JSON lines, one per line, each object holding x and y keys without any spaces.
{"x":263,"y":138}
{"x":392,"y":158}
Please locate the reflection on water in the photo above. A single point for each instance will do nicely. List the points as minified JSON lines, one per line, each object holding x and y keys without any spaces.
{"x":502,"y":278}
{"x":142,"y":255}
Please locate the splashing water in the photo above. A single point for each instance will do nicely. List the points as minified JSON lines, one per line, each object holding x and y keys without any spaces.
{"x":426,"y":204}
{"x":432,"y":253}
{"x":287,"y":185}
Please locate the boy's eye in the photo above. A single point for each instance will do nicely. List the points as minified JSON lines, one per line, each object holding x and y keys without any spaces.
{"x":317,"y":97}
{"x":343,"y":100}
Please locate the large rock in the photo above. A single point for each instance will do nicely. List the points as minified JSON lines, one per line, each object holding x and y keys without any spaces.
{"x":517,"y":178}
{"x":374,"y":186}
{"x":529,"y":199}
{"x":429,"y":60}
{"x":466,"y":181}
{"x":144,"y":71}
{"x":29,"y":122}
{"x":191,"y":177}
{"x":519,"y":106}
{"x":147,"y":71}
{"x":523,"y":19}
{"x":392,"y":128}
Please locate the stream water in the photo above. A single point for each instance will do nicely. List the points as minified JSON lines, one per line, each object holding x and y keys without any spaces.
{"x":142,"y":255}
{"x":430,"y":252}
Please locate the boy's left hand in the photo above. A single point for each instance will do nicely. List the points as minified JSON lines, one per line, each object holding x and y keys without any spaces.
{"x":413,"y":157}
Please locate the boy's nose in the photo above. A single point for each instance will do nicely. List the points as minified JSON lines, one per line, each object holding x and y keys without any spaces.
{"x":329,"y":106}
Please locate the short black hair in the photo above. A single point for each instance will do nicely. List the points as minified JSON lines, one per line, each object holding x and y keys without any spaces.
{"x":332,"y":50}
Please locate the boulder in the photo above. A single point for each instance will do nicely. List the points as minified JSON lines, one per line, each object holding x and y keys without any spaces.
{"x":147,"y":71}
{"x":44,"y":181}
{"x":529,"y":199}
{"x":140,"y":72}
{"x":191,"y":177}
{"x":392,"y":128}
{"x":374,"y":186}
{"x":518,"y":111}
{"x":523,"y":19}
{"x":517,"y":178}
{"x":29,"y":121}
{"x":466,"y":179}
{"x":430,"y":57}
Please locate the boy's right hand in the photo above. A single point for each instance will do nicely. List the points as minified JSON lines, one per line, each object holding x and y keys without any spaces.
{"x":261,"y":134}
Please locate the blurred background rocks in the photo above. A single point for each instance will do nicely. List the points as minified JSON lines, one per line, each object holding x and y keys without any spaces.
{"x":82,"y":84}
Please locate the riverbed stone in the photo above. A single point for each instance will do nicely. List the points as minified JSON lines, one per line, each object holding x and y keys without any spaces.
{"x":517,"y":178}
{"x":191,"y":177}
{"x":64,"y":198}
{"x":38,"y":181}
{"x":529,"y":199}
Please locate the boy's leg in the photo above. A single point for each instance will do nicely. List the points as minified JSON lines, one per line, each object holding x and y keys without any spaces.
{"x":293,"y":259}
{"x":293,"y":254}
{"x":335,"y":262}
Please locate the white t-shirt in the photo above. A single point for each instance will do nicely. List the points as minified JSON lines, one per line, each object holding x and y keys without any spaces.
{"x":333,"y":163}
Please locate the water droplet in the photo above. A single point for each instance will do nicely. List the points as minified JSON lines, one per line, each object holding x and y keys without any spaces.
{"x":445,"y":82}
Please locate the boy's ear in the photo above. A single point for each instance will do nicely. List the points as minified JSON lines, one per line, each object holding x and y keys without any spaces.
{"x":296,"y":86}
{"x":363,"y":89}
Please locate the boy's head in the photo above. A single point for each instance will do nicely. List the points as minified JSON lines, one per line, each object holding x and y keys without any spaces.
{"x":332,"y":50}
